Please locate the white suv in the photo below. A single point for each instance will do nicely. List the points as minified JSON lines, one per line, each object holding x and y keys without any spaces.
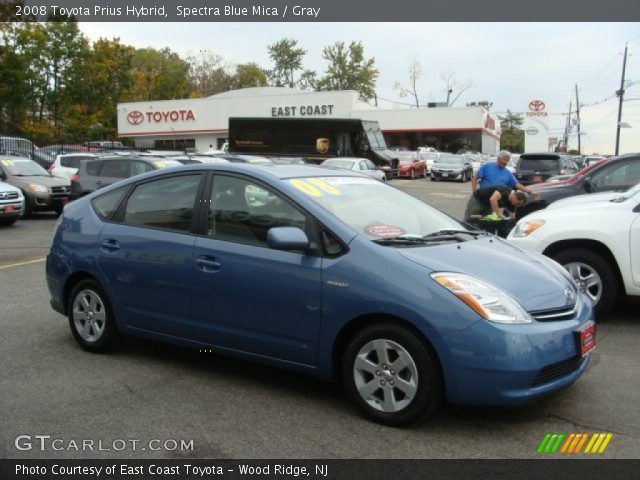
{"x":66,"y":165}
{"x":11,"y":203}
{"x":595,"y":237}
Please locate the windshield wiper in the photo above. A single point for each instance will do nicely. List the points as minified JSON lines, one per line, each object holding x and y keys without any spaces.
{"x":448,"y":233}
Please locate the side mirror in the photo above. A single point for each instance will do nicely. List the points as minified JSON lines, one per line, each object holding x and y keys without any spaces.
{"x":587,"y":185}
{"x":287,"y":238}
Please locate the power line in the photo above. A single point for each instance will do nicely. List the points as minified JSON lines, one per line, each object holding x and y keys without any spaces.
{"x":591,"y":79}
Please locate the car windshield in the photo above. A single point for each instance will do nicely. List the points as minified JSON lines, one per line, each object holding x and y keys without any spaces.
{"x":374,"y":209}
{"x":23,"y":167}
{"x":450,"y":159}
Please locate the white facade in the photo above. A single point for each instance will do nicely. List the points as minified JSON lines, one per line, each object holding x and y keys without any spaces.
{"x":205,"y":120}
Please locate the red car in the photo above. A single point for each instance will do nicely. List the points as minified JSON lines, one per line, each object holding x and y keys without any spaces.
{"x":410,"y":166}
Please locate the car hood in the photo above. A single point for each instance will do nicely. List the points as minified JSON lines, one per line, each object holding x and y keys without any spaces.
{"x":5,"y":187}
{"x":46,"y":181}
{"x":550,"y":186}
{"x":535,"y":282}
{"x":587,"y":198}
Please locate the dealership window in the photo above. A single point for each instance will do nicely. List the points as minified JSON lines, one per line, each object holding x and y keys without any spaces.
{"x":244,"y":211}
{"x":174,"y":144}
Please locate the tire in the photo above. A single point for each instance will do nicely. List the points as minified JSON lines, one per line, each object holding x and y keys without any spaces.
{"x":58,"y":210}
{"x":26,"y":211}
{"x":89,"y":305}
{"x":595,"y":274}
{"x":383,"y":400}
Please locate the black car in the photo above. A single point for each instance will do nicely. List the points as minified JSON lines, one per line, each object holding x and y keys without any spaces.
{"x":612,"y":174}
{"x":98,"y":173}
{"x":539,"y":167}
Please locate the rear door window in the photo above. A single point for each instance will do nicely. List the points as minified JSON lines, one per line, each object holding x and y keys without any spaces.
{"x":94,"y":167}
{"x":115,"y":169}
{"x":166,"y":203}
{"x":540,"y":165}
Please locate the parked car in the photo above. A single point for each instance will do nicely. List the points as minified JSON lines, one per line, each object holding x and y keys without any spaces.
{"x":610,"y":174}
{"x":61,"y":149}
{"x":42,"y":190}
{"x":105,"y":144}
{"x":410,"y":165}
{"x":429,"y":158}
{"x":594,"y":237}
{"x":361,"y":165}
{"x":66,"y":165}
{"x":589,"y":159}
{"x":102,"y":171}
{"x":11,"y":204}
{"x":16,"y":146}
{"x":452,"y":167}
{"x":192,"y":159}
{"x":334,"y":274}
{"x":538,"y":167}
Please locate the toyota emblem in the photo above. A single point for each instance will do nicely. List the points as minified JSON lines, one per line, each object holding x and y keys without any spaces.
{"x":536,"y":105}
{"x":135,"y":118}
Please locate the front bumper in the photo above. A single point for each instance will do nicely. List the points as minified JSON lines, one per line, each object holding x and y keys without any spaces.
{"x":47,"y":201}
{"x":11,"y":209}
{"x":510,"y":365}
{"x":446,"y":175}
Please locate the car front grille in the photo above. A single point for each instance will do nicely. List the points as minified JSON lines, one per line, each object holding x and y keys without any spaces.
{"x":8,"y":195}
{"x":556,"y":370}
{"x":60,"y":192}
{"x":564,"y":313}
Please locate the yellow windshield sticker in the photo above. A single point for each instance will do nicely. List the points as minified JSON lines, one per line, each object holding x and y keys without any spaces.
{"x":304,"y":187}
{"x":160,"y":164}
{"x":324,"y":186}
{"x":7,"y":162}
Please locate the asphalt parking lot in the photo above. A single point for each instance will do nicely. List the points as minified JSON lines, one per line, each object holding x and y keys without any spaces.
{"x":230,"y":409}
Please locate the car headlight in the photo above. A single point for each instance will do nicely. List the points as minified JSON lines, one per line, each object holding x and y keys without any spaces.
{"x":486,"y":300}
{"x":527,"y":227}
{"x":34,"y":187}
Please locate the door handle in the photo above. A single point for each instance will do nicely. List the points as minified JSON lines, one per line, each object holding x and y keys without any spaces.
{"x":110,"y":245}
{"x":98,"y":182}
{"x":207,"y":263}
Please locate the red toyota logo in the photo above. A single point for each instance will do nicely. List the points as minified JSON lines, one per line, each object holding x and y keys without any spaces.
{"x":135,"y":118}
{"x":536,"y":105}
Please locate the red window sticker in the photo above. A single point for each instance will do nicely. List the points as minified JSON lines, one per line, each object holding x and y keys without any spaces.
{"x":384,"y":231}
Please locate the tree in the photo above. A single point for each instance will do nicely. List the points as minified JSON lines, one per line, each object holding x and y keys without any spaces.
{"x":208,"y":74}
{"x":158,"y":75}
{"x":415,"y":74}
{"x":249,"y":75}
{"x":452,"y":85}
{"x":287,"y":60}
{"x":349,"y":70}
{"x":512,"y":138}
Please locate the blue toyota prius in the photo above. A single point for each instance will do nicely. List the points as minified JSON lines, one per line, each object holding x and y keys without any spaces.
{"x":325,"y":272}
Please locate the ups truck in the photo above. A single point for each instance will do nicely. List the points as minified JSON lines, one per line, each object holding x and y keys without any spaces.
{"x":315,"y":139}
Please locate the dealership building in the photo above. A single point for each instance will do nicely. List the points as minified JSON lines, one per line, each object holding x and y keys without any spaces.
{"x":203,"y":123}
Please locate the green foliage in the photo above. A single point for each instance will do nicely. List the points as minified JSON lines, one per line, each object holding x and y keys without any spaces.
{"x":208,"y":74}
{"x":512,"y":137}
{"x":158,"y":75}
{"x":287,"y":60}
{"x":349,"y":70}
{"x":249,"y":75}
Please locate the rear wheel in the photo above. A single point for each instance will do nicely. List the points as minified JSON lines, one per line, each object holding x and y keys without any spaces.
{"x":392,"y":375}
{"x":594,"y":274}
{"x":91,"y":317}
{"x":26,"y":210}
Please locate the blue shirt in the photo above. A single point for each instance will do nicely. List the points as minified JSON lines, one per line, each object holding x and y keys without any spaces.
{"x":491,"y":174}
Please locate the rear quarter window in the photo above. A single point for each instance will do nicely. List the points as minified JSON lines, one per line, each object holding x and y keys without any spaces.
{"x":94,"y":167}
{"x":106,"y":205}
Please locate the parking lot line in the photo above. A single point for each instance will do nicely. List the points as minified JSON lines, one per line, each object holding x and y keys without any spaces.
{"x":19,"y":264}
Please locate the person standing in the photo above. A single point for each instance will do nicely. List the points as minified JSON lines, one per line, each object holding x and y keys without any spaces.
{"x":496,"y":173}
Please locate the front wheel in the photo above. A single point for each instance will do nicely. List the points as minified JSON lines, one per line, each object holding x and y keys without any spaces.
{"x":594,"y":274}
{"x":392,"y":375}
{"x":91,"y":317}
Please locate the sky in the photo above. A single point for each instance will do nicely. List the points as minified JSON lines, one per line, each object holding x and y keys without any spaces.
{"x":508,"y":64}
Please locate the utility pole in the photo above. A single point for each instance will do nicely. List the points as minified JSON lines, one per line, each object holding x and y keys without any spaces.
{"x":620,"y":94}
{"x":578,"y":118}
{"x":566,"y":129}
